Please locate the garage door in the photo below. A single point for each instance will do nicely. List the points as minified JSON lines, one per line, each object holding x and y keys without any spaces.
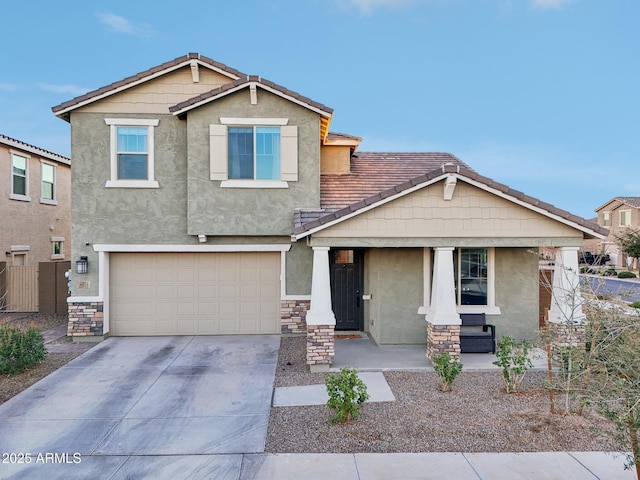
{"x":194,"y":293}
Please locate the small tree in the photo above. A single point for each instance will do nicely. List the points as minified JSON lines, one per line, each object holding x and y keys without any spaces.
{"x":513,"y":359}
{"x":629,"y":243}
{"x":346,"y":393}
{"x":447,"y":368}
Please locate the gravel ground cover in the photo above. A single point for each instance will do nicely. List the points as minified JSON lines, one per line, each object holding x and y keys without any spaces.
{"x":11,"y":386}
{"x":476,"y":416}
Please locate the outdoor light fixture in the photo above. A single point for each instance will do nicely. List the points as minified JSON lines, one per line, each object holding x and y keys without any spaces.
{"x":82,"y":265}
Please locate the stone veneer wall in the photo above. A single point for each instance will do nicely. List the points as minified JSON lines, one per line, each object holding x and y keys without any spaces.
{"x":443,"y":338}
{"x":293,"y":315}
{"x":565,"y":336}
{"x":85,"y":319}
{"x":320,"y":346}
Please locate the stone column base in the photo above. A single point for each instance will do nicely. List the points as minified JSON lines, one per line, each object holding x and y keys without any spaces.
{"x":320,"y":347}
{"x":443,"y":338}
{"x":293,"y":316}
{"x":86,"y":319}
{"x":564,"y":336}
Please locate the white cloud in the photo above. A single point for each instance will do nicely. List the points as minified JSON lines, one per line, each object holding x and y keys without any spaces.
{"x":70,"y":89}
{"x":119,"y":24}
{"x":368,"y":6}
{"x":9,"y":87}
{"x":549,"y":4}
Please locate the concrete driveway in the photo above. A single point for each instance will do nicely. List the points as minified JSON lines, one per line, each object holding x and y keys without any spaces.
{"x":144,"y":407}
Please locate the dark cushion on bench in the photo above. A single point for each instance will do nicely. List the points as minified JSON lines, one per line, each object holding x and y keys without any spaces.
{"x":476,"y":336}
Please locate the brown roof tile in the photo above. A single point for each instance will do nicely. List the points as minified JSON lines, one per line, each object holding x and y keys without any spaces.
{"x":12,"y":142}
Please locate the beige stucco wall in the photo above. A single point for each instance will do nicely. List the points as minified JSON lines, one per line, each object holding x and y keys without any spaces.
{"x":335,"y":159}
{"x":471,"y":213}
{"x":157,"y":95}
{"x":33,"y":223}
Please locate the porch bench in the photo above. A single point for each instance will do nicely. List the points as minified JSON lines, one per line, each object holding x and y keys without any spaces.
{"x":476,"y":336}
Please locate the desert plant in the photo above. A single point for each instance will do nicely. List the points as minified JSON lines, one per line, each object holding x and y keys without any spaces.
{"x":346,"y":393}
{"x":513,"y":359}
{"x":447,"y":368}
{"x":626,"y":274}
{"x":20,"y":349}
{"x":634,"y":304}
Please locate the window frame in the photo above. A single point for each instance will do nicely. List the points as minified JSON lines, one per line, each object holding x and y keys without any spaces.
{"x":149,"y":124}
{"x":255,"y":151}
{"x":627,"y":215}
{"x":24,"y":197}
{"x":490,"y":308}
{"x":54,"y":241}
{"x":43,"y":199}
{"x":606,"y":219}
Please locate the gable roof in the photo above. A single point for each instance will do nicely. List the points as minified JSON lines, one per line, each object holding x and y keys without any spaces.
{"x":458,"y":170}
{"x":25,"y":147}
{"x":255,"y":81}
{"x":630,"y":201}
{"x":64,"y":109}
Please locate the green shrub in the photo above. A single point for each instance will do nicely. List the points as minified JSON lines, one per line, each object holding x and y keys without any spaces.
{"x":626,"y":274}
{"x":20,"y":349}
{"x":447,"y":368}
{"x":634,"y":304}
{"x":346,"y":393}
{"x":610,"y":272}
{"x":513,"y":359}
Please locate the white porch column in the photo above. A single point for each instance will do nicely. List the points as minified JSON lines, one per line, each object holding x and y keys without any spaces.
{"x":566,"y":299}
{"x":442,"y":310}
{"x":321,"y":321}
{"x":320,"y":311}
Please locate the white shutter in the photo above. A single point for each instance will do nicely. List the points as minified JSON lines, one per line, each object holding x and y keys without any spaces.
{"x":218,"y":163}
{"x":289,"y":153}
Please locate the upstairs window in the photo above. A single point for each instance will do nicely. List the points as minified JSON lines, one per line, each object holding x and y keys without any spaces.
{"x":132,"y":153}
{"x":606,"y":219}
{"x":48,"y":191}
{"x":625,"y":218}
{"x":254,"y":153}
{"x":19,"y":177}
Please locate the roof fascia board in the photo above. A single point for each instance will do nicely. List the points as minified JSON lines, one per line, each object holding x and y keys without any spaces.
{"x":464,"y":178}
{"x":249,"y":85}
{"x":186,"y":63}
{"x":371,"y":207}
{"x":145,"y":248}
{"x":613,"y":201}
{"x":54,"y":157}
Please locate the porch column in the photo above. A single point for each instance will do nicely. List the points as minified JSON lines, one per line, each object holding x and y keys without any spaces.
{"x":566,"y":299}
{"x":321,"y":321}
{"x":443,"y":321}
{"x":566,"y":318}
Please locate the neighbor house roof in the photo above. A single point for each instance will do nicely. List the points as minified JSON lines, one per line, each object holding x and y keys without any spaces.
{"x":631,"y":201}
{"x":65,"y":108}
{"x":335,"y":196}
{"x":25,"y":147}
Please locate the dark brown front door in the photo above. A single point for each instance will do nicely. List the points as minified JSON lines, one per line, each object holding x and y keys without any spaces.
{"x":346,"y":288}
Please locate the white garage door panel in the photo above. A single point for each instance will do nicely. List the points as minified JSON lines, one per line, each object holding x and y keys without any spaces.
{"x":194,"y":293}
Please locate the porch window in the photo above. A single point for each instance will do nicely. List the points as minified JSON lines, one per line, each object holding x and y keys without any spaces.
{"x":343,"y":256}
{"x":471,"y":276}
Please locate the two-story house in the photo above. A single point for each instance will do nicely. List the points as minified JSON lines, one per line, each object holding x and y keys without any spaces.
{"x":617,"y":215}
{"x":207,"y":201}
{"x":35,"y":218}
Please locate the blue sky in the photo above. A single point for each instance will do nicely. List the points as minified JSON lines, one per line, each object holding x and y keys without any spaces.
{"x":542,"y":95}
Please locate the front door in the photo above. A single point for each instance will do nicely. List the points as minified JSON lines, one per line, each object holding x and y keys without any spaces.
{"x":346,"y":288}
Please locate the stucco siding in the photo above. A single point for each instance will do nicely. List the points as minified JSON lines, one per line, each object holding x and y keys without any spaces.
{"x":215,"y":210}
{"x":517,"y":293}
{"x":472,"y":212}
{"x":157,"y":95}
{"x":393,"y":277}
{"x":299,"y":268}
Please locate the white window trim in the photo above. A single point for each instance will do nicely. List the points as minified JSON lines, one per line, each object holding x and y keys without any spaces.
{"x":114,"y":182}
{"x":247,"y":183}
{"x":266,"y":122}
{"x":19,"y":196}
{"x":49,"y":201}
{"x":606,"y":219}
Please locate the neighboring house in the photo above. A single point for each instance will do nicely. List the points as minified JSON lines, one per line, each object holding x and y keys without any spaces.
{"x":208,"y":201}
{"x":35,"y":208}
{"x":617,"y":215}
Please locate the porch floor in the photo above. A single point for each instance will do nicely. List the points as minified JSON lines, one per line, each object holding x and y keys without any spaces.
{"x":365,"y":355}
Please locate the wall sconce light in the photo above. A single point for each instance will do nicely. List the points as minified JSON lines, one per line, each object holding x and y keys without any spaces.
{"x":82,"y":265}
